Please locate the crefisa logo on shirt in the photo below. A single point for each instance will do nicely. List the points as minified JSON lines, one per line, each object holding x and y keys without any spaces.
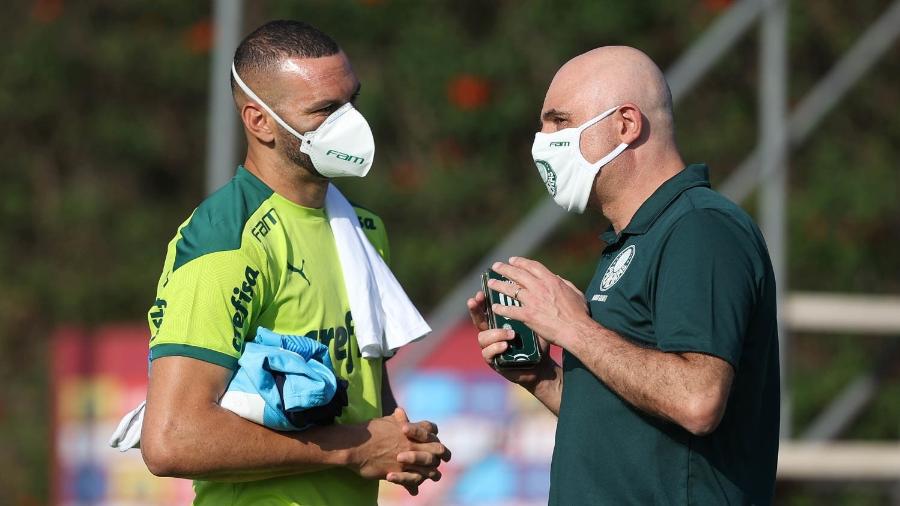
{"x":243,"y":296}
{"x":617,"y":268}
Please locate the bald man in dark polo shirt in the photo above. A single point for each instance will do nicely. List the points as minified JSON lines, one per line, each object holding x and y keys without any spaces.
{"x":668,"y":391}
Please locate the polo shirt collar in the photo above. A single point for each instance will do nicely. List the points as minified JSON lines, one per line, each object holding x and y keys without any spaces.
{"x":692,"y":176}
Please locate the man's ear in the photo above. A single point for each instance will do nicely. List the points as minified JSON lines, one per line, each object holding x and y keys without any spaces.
{"x":630,"y":123}
{"x":258,"y":123}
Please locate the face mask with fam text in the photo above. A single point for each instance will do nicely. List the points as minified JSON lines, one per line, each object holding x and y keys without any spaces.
{"x":342,"y":146}
{"x":568,"y":176}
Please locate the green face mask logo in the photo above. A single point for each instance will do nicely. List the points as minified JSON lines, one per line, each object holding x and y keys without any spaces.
{"x":345,"y":157}
{"x":547,"y":175}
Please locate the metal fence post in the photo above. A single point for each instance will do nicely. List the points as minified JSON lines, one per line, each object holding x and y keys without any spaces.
{"x":773,"y":192}
{"x":221,"y":126}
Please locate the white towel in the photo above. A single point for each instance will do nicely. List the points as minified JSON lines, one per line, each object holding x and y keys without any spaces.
{"x":128,"y":434}
{"x":383,"y":316}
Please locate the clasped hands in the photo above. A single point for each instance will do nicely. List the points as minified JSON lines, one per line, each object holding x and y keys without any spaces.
{"x":402,"y":452}
{"x":551,"y":306}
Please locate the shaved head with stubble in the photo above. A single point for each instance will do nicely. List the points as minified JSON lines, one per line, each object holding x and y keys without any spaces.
{"x":303,"y":76}
{"x":623,"y":77}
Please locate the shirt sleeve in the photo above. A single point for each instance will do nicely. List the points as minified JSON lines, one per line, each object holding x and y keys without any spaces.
{"x":707,"y":286}
{"x":205,"y":308}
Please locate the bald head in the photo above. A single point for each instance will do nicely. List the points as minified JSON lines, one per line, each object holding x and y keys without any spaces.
{"x":632,"y":149}
{"x":609,"y":76}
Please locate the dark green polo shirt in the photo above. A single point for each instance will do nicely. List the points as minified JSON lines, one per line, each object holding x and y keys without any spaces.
{"x":690,"y":273}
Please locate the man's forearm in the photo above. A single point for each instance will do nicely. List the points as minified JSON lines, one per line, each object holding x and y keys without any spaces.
{"x":548,"y":387}
{"x":186,"y":434}
{"x":688,"y":388}
{"x":659,"y":383}
{"x":215,"y":444}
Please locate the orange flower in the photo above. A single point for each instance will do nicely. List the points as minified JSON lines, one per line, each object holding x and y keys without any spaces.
{"x":198,"y":38}
{"x":406,"y":176}
{"x":468,"y":92}
{"x":46,"y":11}
{"x":717,"y":5}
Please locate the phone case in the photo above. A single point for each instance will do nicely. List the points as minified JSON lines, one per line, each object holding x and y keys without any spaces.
{"x":523,"y":351}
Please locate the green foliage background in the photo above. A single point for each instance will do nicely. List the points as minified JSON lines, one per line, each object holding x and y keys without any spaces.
{"x":102,"y":128}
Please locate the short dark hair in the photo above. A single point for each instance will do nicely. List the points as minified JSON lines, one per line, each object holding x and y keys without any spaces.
{"x":274,"y":41}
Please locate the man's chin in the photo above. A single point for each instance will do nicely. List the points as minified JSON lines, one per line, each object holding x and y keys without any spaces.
{"x":305,"y":167}
{"x":317,"y":175}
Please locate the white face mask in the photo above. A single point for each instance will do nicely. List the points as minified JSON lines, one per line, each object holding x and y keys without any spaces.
{"x":342,"y":146}
{"x":568,"y":176}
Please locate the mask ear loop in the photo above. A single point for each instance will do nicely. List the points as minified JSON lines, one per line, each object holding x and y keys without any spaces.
{"x":612,"y":154}
{"x":246,"y":89}
{"x":591,"y":122}
{"x":603,"y":115}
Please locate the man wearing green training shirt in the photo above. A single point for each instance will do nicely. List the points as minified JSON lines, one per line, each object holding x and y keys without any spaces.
{"x":668,"y":391}
{"x":260,"y":252}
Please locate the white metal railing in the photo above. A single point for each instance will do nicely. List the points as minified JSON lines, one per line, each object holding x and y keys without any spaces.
{"x":836,"y":312}
{"x":839,"y":461}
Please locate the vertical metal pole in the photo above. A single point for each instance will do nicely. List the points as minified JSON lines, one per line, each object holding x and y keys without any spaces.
{"x":221,"y":126}
{"x":773,"y":194}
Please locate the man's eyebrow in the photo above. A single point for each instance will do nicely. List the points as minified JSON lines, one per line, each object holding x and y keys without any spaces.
{"x":554,"y":114}
{"x":324,"y":104}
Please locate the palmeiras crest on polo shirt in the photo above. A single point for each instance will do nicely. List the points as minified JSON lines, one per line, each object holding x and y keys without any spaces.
{"x":617,"y":268}
{"x":547,"y":175}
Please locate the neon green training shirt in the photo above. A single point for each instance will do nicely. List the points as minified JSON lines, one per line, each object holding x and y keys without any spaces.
{"x":247,"y":257}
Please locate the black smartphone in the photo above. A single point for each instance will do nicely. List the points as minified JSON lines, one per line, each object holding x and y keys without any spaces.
{"x":523,"y":351}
